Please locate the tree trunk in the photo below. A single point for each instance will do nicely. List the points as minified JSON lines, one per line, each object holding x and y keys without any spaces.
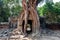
{"x":29,"y":7}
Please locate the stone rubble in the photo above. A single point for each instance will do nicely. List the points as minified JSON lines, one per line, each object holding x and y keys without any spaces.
{"x":45,"y":34}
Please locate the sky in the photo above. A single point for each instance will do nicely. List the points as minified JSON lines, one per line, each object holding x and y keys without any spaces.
{"x":40,"y":5}
{"x":56,"y":1}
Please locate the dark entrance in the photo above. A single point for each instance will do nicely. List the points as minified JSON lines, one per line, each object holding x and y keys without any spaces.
{"x":28,"y":27}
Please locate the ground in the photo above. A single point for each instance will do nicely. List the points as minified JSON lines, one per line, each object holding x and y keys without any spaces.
{"x":45,"y":34}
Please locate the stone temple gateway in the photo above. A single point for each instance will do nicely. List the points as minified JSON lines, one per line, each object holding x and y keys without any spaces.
{"x":28,"y":20}
{"x":28,"y":23}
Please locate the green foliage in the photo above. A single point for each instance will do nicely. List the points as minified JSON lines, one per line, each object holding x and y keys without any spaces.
{"x":51,"y":12}
{"x":16,"y":10}
{"x":4,"y":12}
{"x":9,"y":8}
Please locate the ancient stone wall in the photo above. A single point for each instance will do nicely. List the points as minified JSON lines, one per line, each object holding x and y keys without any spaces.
{"x":53,"y":26}
{"x":4,"y":25}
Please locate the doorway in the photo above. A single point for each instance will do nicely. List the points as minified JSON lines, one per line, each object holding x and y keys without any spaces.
{"x":29,"y":27}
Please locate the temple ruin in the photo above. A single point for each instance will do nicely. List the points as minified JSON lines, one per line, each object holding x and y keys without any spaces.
{"x":29,"y":17}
